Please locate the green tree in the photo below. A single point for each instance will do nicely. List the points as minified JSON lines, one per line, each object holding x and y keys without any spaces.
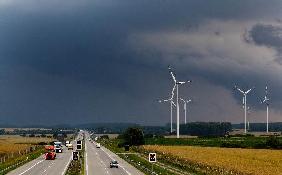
{"x":55,"y":135}
{"x":105,"y":137}
{"x":133,"y":136}
{"x":273,"y":142}
{"x":2,"y":131}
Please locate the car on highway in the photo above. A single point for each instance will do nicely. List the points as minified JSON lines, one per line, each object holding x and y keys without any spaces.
{"x":58,"y":149}
{"x":98,"y":145}
{"x":113,"y":164}
{"x":70,"y":146}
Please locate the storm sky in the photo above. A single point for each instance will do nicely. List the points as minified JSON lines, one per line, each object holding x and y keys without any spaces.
{"x":69,"y":61}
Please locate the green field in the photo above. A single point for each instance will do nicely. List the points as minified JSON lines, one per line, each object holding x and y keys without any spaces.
{"x":228,"y":142}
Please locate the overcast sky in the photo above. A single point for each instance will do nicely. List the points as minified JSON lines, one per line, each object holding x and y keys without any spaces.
{"x":69,"y":61}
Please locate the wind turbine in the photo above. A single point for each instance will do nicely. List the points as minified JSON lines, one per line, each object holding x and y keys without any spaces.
{"x":248,"y":113}
{"x":265,"y":100}
{"x":177,"y":83}
{"x":248,"y":122}
{"x":244,"y":102}
{"x":185,"y":108}
{"x":171,"y":105}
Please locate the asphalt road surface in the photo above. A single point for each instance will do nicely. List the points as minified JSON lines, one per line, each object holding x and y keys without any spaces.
{"x":40,"y":166}
{"x":98,"y":161}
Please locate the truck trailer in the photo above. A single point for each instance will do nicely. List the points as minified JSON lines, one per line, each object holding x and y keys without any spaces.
{"x":50,"y":153}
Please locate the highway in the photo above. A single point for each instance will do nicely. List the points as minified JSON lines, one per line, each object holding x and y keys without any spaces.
{"x":40,"y":166}
{"x":98,"y":161}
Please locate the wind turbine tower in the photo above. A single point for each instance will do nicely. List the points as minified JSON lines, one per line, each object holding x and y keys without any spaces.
{"x":266,"y":100}
{"x":177,"y":83}
{"x":185,"y":108}
{"x":244,"y":102}
{"x":171,"y":106}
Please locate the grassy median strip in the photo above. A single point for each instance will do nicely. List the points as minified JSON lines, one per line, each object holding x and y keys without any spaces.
{"x":76,"y":167}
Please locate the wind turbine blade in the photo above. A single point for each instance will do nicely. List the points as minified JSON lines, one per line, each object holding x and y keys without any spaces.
{"x":261,"y":100}
{"x":266,"y":91}
{"x":173,"y":103}
{"x":243,"y":102}
{"x":248,"y":91}
{"x":239,"y":90}
{"x":173,"y":76}
{"x":181,"y":82}
{"x":172,"y":92}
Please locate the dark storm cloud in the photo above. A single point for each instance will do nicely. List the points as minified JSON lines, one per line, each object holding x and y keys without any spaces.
{"x":94,"y":60}
{"x":270,"y":36}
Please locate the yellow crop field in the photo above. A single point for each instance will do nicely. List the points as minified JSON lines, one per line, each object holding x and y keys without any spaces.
{"x":9,"y":144}
{"x":246,"y":161}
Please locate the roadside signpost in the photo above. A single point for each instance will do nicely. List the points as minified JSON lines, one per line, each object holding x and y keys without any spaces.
{"x":152,"y":159}
{"x":75,"y":155}
{"x":79,"y":145}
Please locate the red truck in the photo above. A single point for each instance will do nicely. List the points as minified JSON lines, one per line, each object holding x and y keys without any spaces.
{"x":50,"y":153}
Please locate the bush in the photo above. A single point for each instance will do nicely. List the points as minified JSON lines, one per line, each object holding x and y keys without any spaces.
{"x":231,"y":145}
{"x":42,"y":143}
{"x":273,"y":142}
{"x":104,"y":137}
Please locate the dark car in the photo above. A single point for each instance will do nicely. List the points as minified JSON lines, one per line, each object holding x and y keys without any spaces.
{"x":113,"y":164}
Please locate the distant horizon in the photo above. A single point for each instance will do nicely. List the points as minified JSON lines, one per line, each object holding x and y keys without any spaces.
{"x":107,"y":123}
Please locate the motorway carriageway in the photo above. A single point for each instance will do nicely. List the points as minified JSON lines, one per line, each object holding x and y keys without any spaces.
{"x":98,"y":161}
{"x":40,"y":166}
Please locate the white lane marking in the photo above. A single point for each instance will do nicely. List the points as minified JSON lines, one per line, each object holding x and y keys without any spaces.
{"x":113,"y":159}
{"x":101,"y":161}
{"x":31,"y":167}
{"x":67,"y":165}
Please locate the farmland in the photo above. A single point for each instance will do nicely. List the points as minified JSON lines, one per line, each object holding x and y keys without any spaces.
{"x":12,"y":145}
{"x":229,"y":142}
{"x":235,"y":160}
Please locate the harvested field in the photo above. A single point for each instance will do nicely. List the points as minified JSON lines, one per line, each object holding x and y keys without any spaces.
{"x":16,"y":144}
{"x":246,"y":161}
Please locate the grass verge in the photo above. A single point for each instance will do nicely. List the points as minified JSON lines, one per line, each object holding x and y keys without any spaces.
{"x":137,"y":160}
{"x":17,"y":162}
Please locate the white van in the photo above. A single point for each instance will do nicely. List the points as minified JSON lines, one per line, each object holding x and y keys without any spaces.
{"x":98,"y":145}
